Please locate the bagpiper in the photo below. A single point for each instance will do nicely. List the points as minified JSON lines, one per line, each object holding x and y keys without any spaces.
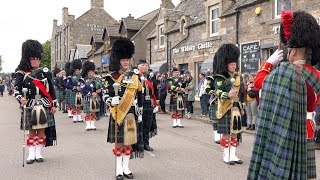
{"x":75,"y":96}
{"x":124,"y":97}
{"x":60,"y":89}
{"x":210,"y":89}
{"x":176,"y":85}
{"x":229,"y":89}
{"x":90,"y":87}
{"x":35,"y":92}
{"x":284,"y":139}
{"x":150,"y":97}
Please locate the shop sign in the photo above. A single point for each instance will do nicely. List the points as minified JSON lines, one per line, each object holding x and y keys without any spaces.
{"x":250,"y":55}
{"x":189,"y":48}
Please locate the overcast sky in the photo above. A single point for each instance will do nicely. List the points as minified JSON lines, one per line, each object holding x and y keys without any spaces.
{"x":32,"y":19}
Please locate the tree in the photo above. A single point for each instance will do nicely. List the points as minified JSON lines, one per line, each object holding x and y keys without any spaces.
{"x":46,"y":58}
{"x":1,"y":63}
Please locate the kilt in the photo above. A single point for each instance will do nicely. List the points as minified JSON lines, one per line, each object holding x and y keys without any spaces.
{"x":71,"y":99}
{"x":212,"y":114}
{"x":61,"y":94}
{"x":215,"y":124}
{"x":223,"y":126}
{"x":173,"y":104}
{"x":137,"y":148}
{"x":50,"y":119}
{"x":311,"y":159}
{"x":86,"y":106}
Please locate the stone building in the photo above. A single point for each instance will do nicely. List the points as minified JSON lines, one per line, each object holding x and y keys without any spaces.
{"x":73,"y":31}
{"x":187,"y":38}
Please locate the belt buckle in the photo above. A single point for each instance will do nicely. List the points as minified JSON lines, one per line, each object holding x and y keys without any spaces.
{"x":147,"y":97}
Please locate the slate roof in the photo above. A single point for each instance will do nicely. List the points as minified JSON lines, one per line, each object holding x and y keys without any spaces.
{"x":193,"y":8}
{"x":113,"y":30}
{"x":97,"y":38}
{"x":240,"y":4}
{"x":150,"y":15}
{"x":133,"y":24}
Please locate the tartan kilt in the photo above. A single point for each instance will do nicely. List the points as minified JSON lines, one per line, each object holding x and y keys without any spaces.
{"x":61,"y":95}
{"x":212,"y":114}
{"x":138,"y":148}
{"x":50,"y":119}
{"x":311,"y":159}
{"x":86,"y":106}
{"x":223,"y":126}
{"x":173,"y":104}
{"x":71,"y":99}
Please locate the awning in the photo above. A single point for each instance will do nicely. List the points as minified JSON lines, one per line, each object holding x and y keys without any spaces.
{"x":159,"y":66}
{"x":207,"y":65}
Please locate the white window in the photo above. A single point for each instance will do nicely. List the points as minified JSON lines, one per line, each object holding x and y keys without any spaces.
{"x":214,"y":20}
{"x":161,"y":36}
{"x":280,"y":5}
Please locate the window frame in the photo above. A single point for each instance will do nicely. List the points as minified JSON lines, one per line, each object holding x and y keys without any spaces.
{"x":161,"y":27}
{"x":211,"y":9}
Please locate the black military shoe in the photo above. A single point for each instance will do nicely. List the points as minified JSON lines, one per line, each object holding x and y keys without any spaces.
{"x":238,"y":162}
{"x":30,"y":161}
{"x":230,"y":163}
{"x":174,"y":126}
{"x":128,"y":176}
{"x":39,"y":160}
{"x":217,"y":142}
{"x":119,"y":177}
{"x":148,"y":148}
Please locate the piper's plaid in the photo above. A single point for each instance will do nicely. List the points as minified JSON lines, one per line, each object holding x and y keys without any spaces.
{"x":137,"y":148}
{"x":71,"y":99}
{"x":61,"y":94}
{"x":50,"y":119}
{"x":223,"y":125}
{"x":86,"y":106}
{"x":280,"y":147}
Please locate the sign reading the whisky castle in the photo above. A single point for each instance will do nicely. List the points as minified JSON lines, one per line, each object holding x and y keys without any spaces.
{"x":250,"y":55}
{"x":188,"y":48}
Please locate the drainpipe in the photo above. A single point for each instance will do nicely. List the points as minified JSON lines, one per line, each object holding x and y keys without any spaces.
{"x":237,"y":25}
{"x":150,"y":50}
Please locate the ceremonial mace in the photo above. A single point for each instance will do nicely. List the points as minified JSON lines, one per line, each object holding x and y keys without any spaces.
{"x":116,"y":90}
{"x":232,"y":80}
{"x":24,"y":90}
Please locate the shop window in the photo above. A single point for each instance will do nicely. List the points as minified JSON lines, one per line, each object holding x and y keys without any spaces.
{"x":161,"y":36}
{"x":214,"y":20}
{"x":281,"y":5}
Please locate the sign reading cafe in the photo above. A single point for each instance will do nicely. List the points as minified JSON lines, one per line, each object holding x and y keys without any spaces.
{"x":250,"y":57}
{"x":188,"y":48}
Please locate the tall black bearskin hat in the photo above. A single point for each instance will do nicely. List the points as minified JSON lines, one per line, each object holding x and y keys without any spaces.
{"x":87,"y":66}
{"x":67,"y":68}
{"x":30,"y":48}
{"x":301,"y":30}
{"x":75,"y":64}
{"x":122,"y":48}
{"x":227,"y":53}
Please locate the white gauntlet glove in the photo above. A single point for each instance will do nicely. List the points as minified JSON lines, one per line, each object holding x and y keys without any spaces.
{"x":276,"y":57}
{"x":115,"y":100}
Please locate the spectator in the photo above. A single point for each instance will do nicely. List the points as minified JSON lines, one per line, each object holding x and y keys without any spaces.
{"x":201,"y":92}
{"x":252,"y":99}
{"x":190,"y":92}
{"x":163,"y":93}
{"x":2,"y":86}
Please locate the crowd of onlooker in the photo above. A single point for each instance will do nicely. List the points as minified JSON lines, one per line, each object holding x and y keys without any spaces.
{"x":6,"y":83}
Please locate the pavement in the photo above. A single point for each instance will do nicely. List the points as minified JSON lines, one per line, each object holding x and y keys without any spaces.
{"x":179,"y":153}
